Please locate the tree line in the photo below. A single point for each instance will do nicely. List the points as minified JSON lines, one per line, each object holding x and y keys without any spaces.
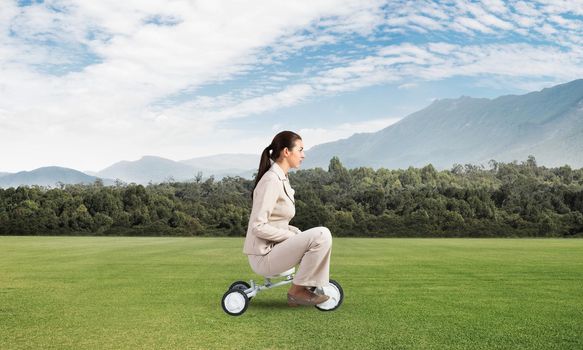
{"x":501,"y":200}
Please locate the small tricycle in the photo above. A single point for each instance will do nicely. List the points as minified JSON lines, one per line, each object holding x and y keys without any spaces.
{"x":236,"y":300}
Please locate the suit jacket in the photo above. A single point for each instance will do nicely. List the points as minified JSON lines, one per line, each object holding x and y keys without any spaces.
{"x":273,"y":208}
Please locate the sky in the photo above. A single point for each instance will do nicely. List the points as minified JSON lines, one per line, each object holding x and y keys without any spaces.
{"x":85,"y":84}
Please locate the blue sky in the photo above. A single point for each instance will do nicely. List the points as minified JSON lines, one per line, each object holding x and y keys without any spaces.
{"x":84,"y":84}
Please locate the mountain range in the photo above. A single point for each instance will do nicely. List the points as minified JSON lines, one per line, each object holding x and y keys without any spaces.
{"x":157,"y":169}
{"x":47,"y":176}
{"x":547,"y":124}
{"x":146,"y":169}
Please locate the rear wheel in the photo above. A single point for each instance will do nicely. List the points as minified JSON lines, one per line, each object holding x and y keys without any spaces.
{"x":336,"y":294}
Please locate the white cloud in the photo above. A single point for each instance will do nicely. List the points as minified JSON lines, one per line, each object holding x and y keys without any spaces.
{"x":494,"y":21}
{"x":526,"y":9}
{"x":442,"y":48}
{"x":473,"y":24}
{"x":496,"y":6}
{"x":407,"y":86}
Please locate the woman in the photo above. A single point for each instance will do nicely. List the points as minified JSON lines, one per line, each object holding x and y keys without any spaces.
{"x":272,"y":244}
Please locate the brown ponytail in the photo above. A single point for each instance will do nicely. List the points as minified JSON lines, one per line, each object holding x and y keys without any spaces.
{"x":271,"y":153}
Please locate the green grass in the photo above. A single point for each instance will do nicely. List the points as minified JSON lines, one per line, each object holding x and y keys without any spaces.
{"x":152,"y":293}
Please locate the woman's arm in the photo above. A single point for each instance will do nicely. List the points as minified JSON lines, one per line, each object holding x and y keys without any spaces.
{"x":264,"y":200}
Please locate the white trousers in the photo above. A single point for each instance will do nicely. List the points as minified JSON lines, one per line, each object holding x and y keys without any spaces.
{"x":311,"y":249}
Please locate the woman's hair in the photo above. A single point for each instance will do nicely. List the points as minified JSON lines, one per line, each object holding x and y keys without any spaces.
{"x":280,"y":141}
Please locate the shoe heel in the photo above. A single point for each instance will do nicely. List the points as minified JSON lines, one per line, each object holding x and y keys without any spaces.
{"x":291,"y":301}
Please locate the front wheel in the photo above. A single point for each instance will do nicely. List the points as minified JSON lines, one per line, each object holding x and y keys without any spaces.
{"x":240,"y":285}
{"x":336,"y":294}
{"x":235,"y":302}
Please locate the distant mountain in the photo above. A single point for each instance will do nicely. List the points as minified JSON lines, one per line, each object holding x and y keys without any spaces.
{"x":149,"y":168}
{"x":146,"y":169}
{"x":48,"y":176}
{"x":547,"y":124}
{"x":157,"y":169}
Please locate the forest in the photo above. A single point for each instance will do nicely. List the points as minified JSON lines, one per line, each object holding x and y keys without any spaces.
{"x":515,"y":199}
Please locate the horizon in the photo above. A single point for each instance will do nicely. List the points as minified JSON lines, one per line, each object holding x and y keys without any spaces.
{"x":110,"y":82}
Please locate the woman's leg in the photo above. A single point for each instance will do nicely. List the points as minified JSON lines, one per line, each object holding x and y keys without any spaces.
{"x":310,"y":248}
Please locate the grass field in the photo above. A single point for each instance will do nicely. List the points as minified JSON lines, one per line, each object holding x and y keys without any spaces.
{"x":154,"y":293}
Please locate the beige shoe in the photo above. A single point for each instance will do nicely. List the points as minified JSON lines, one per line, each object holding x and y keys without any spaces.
{"x":315,"y":299}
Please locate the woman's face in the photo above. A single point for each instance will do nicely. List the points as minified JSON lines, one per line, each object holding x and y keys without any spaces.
{"x":296,"y":154}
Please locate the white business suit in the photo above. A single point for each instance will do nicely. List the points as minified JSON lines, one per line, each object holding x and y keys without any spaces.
{"x":273,"y":245}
